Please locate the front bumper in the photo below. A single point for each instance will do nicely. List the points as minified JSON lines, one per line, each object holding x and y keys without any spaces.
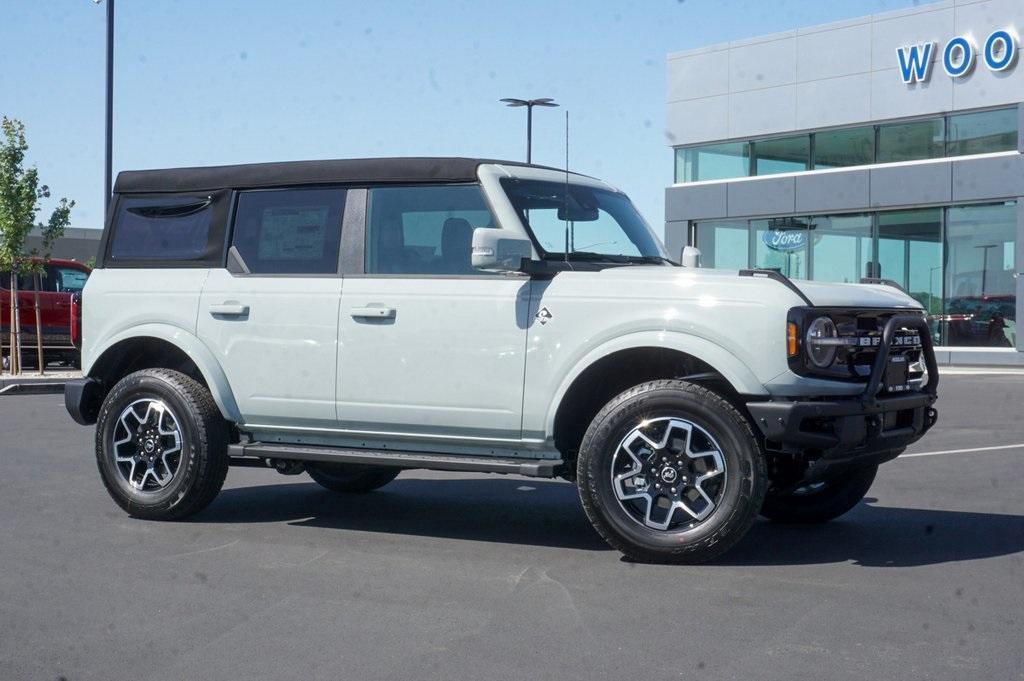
{"x":838,"y":434}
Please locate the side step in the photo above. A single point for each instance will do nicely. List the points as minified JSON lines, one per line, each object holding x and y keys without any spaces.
{"x":535,"y":468}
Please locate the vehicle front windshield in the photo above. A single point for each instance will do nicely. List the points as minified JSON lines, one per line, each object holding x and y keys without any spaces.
{"x":587,"y":223}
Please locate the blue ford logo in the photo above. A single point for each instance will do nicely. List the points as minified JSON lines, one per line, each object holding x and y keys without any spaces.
{"x":784,"y":240}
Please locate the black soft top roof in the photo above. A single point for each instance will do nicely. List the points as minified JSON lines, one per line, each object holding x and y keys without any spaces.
{"x":255,"y":175}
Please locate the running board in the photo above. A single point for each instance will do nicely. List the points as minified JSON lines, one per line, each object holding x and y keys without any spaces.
{"x":534,"y":468}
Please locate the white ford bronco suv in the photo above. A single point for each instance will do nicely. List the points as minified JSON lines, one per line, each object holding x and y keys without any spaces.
{"x":355,"y":318}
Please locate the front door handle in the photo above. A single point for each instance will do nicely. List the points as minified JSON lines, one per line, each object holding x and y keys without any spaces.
{"x":229,"y":309}
{"x":373,"y":312}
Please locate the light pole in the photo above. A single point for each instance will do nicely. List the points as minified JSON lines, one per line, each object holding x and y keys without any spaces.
{"x":529,"y":104}
{"x":109,"y":147}
{"x":984,"y":263}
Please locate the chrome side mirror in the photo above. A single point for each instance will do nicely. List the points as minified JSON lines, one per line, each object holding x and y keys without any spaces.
{"x":690,"y":256}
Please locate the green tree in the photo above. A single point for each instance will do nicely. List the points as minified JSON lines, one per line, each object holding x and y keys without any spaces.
{"x":20,"y":197}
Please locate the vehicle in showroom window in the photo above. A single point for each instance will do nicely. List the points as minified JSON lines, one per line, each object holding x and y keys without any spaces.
{"x":352,"y":319}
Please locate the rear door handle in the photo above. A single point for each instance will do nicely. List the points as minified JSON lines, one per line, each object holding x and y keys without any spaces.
{"x":373,"y":312}
{"x":229,"y":309}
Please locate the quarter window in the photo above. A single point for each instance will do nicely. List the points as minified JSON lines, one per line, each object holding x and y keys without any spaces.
{"x":162,"y":229}
{"x":289,"y":231}
{"x":424,"y":230}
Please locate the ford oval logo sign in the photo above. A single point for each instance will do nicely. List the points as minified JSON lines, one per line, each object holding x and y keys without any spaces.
{"x":785,"y":240}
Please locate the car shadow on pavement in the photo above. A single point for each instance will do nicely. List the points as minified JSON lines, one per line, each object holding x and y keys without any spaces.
{"x":548,"y":513}
{"x":490,"y":509}
{"x":882,"y":536}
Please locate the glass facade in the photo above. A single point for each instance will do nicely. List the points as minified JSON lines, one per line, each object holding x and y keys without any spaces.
{"x":982,"y":132}
{"x":842,"y":148}
{"x":713,"y":162}
{"x":960,"y":134}
{"x":841,"y":247}
{"x":958,"y":261}
{"x":911,"y":141}
{"x":781,"y":244}
{"x":782,"y":155}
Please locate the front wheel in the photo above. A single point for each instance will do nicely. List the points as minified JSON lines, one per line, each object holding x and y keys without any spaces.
{"x":670,"y":472}
{"x":820,"y":502}
{"x":161,"y":445}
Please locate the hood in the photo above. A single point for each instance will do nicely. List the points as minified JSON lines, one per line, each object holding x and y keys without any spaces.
{"x":709,"y":281}
{"x":826,"y":294}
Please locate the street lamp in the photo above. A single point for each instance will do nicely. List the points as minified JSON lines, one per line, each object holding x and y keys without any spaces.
{"x":984,"y":263}
{"x":109,"y":149}
{"x":529,"y":104}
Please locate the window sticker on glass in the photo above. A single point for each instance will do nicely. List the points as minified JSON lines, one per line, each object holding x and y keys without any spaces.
{"x":293,"y":233}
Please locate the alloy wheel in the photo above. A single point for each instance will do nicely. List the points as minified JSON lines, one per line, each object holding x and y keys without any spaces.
{"x":668,"y":473}
{"x":146,"y":444}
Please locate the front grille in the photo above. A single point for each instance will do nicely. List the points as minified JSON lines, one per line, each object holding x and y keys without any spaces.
{"x":862,"y":331}
{"x":867,"y":326}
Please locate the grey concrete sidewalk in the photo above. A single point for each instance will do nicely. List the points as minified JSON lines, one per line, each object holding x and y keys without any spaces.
{"x":30,"y":382}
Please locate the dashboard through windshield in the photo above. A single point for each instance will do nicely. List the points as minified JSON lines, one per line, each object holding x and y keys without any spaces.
{"x":577,"y":222}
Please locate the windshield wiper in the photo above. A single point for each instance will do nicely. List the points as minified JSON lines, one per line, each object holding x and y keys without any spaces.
{"x":651,"y":259}
{"x":590,"y":256}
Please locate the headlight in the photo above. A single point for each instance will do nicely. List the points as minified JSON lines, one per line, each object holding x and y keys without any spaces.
{"x":822,"y":354}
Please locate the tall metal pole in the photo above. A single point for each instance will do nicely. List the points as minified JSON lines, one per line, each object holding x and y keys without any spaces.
{"x":109,"y":152}
{"x":529,"y":131}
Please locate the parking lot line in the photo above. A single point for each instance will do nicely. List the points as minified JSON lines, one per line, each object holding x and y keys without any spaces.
{"x":963,"y":451}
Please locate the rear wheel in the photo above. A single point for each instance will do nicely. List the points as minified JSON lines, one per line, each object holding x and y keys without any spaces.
{"x":669,"y":471}
{"x":161,"y":445}
{"x":351,"y":478}
{"x":820,"y":502}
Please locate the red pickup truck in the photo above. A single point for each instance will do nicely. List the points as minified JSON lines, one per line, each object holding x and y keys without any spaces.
{"x":59,"y":297}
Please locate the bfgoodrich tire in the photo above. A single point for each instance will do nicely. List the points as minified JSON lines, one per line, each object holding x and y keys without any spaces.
{"x":351,"y":479}
{"x":161,"y":445}
{"x":821,"y":502}
{"x":670,"y":472}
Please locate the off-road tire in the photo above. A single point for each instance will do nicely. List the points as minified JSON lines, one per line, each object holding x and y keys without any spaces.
{"x":741,"y":496}
{"x":351,"y":478}
{"x":833,"y":499}
{"x":203,"y":464}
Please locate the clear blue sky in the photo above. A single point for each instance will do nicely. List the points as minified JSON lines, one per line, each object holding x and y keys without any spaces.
{"x":200,"y":82}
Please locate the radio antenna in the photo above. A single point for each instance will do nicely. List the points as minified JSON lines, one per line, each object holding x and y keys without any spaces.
{"x":569,"y":236}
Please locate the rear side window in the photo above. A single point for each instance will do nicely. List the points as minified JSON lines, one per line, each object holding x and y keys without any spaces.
{"x":289,"y":231}
{"x":166,"y":229}
{"x":66,"y":279}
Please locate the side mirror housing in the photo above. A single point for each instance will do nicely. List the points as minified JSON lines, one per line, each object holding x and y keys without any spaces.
{"x":690,"y":256}
{"x":499,"y":250}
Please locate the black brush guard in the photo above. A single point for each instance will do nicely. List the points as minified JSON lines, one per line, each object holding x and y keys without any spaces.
{"x":859,"y":430}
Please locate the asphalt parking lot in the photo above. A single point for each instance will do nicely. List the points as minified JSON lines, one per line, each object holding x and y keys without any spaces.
{"x":447,"y":576}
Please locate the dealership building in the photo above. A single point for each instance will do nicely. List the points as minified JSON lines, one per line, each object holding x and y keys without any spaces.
{"x":887,"y":146}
